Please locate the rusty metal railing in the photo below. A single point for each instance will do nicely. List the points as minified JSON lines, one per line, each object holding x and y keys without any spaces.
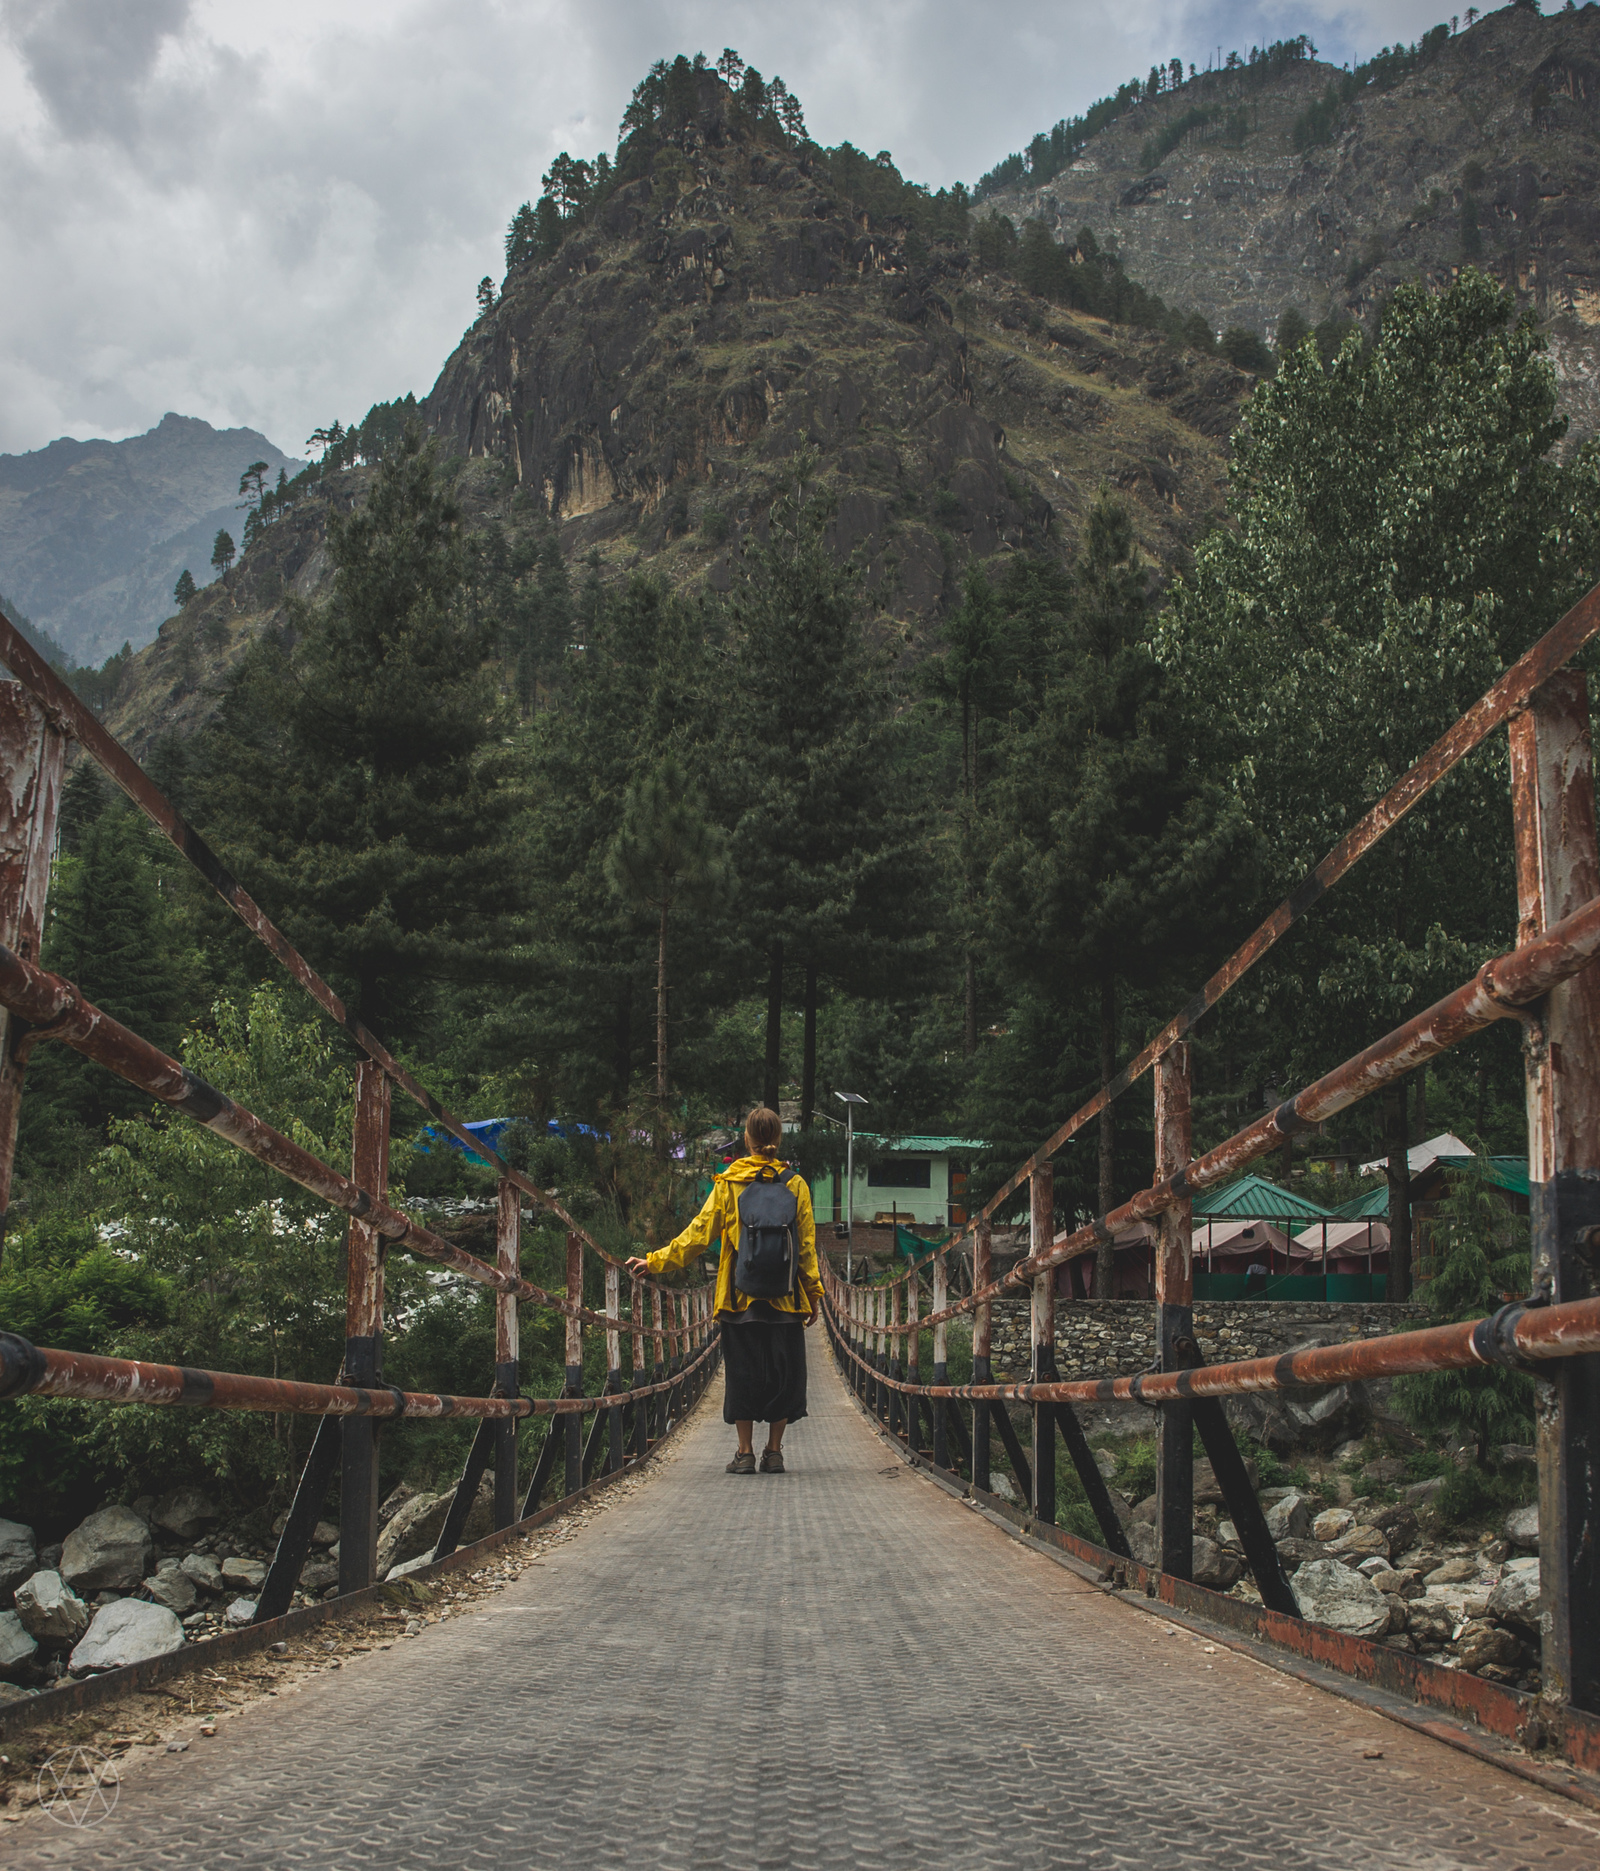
{"x":671,"y":1330}
{"x":1547,"y":982}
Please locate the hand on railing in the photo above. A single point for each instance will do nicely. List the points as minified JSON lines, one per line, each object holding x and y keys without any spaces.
{"x":638,"y":1266}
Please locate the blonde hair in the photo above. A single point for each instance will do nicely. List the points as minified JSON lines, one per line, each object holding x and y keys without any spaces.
{"x":763,"y":1131}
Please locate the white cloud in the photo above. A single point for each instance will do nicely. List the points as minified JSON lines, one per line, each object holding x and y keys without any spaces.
{"x":274,"y":215}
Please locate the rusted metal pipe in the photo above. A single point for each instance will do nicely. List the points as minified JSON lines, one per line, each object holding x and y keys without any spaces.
{"x":35,"y":1370}
{"x":1541,"y":1334}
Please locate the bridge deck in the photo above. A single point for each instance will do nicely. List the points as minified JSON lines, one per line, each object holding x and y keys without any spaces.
{"x":788,"y":1672}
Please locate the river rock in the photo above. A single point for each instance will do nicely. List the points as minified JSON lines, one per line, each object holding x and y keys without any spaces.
{"x":316,"y":1575}
{"x":1331,"y":1593}
{"x":171,"y":1586}
{"x":111,"y":1551}
{"x":1402,"y":1584}
{"x":1452,"y":1572}
{"x":1214,"y":1567}
{"x":1398,"y":1618}
{"x":204,"y":1571}
{"x":19,"y":1557}
{"x":51,"y":1610}
{"x":1296,"y":1552}
{"x":130,"y":1631}
{"x":1331,"y":1523}
{"x":184,"y":1513}
{"x":1515,"y":1600}
{"x":1482,"y":1643}
{"x":417,"y":1525}
{"x":1522,"y":1528}
{"x":1385,"y":1472}
{"x":12,"y":1692}
{"x":17,"y":1648}
{"x":243,"y":1574}
{"x":1290,"y":1518}
{"x":241,"y":1611}
{"x":1143,"y":1542}
{"x":324,"y":1533}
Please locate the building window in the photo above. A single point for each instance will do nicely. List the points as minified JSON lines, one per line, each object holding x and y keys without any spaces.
{"x":902,"y":1172}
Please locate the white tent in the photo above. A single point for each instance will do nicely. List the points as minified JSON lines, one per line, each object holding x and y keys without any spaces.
{"x":1423,"y":1156}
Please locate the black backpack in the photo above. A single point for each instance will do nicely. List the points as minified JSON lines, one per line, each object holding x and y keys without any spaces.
{"x":768,"y":1266}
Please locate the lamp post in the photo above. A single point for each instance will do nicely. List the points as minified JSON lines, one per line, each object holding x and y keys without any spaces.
{"x":849,"y":1099}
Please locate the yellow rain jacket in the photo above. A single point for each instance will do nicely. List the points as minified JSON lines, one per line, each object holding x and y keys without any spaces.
{"x":720,"y":1216}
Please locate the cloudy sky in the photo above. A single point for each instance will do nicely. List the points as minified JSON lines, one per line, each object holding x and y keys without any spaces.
{"x":274,"y":214}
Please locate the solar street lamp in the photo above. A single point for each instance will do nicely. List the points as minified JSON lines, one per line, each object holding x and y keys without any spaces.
{"x":849,"y":1099}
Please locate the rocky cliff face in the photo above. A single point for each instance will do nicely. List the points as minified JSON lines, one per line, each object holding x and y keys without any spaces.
{"x":648,"y":385}
{"x":1488,"y":153}
{"x":94,"y":534}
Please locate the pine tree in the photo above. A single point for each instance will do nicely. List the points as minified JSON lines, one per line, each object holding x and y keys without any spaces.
{"x":184,"y":589}
{"x":1484,"y":1263}
{"x":357,"y":775}
{"x":223,"y":551}
{"x":666,"y":850}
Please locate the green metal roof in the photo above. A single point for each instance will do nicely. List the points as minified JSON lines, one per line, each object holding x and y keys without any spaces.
{"x":1502,"y":1172}
{"x":924,"y":1146}
{"x":1366,"y":1207}
{"x":1253,"y":1198}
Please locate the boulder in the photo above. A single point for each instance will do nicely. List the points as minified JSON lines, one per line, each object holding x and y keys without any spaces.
{"x":1385,"y":1472}
{"x":1332,"y":1522}
{"x":111,"y":1551}
{"x":1296,"y":1552}
{"x":50,"y":1557}
{"x":1422,"y":1493}
{"x":418,"y":1524}
{"x":1397,"y":1612}
{"x":426,"y":1559}
{"x":241,"y":1611}
{"x":18,"y":1651}
{"x":1208,"y":1490}
{"x":1145,"y":1511}
{"x":51,"y":1610}
{"x":1430,"y":1625}
{"x":1290,"y":1518}
{"x":183,"y":1513}
{"x":1522,"y":1528}
{"x":1399,"y":1522}
{"x":324,"y":1533}
{"x":10,"y":1692}
{"x":1143,"y":1543}
{"x":1517,"y":1455}
{"x":1515,"y":1600}
{"x":1332,"y":1594}
{"x":1214,"y":1567}
{"x":1360,"y":1543}
{"x":316,"y":1575}
{"x":1403,"y":1584}
{"x":130,"y":1631}
{"x":19,"y":1557}
{"x":243,"y":1574}
{"x":1481,"y":1643}
{"x":999,"y":1485}
{"x":1452,"y":1572}
{"x":204,"y":1571}
{"x":1400,"y":1640}
{"x":173,"y":1588}
{"x":395,"y":1500}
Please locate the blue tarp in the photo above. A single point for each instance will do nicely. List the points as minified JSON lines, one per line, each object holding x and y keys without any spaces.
{"x":492,"y":1129}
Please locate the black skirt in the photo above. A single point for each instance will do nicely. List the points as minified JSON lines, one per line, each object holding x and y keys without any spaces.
{"x":764,"y":1372}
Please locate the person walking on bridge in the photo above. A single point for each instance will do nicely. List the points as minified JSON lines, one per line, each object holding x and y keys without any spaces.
{"x":768,"y":1287}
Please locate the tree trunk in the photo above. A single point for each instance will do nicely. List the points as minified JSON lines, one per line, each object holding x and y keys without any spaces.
{"x":1422,"y":1105}
{"x":661,"y":1009}
{"x":1399,"y":1174}
{"x":1105,"y":1256}
{"x":808,"y":1066}
{"x":622,"y":1045}
{"x":970,"y":1031}
{"x":769,"y":1085}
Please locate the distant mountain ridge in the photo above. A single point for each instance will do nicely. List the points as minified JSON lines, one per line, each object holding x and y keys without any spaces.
{"x":94,"y":534}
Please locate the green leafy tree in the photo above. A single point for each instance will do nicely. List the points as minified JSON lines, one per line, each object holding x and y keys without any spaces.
{"x":357,"y":775}
{"x":184,"y":589}
{"x":667,"y":851}
{"x":1483,"y":1251}
{"x":223,"y":552}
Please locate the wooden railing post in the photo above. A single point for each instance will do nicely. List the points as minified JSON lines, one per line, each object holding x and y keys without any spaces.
{"x":941,"y":1367}
{"x":613,"y":1365}
{"x":880,"y":1358}
{"x":574,"y":1386}
{"x":1553,"y":812}
{"x":641,"y":1411}
{"x":507,"y":1350}
{"x":1174,"y":1319}
{"x":32,"y":754}
{"x":895,"y":1349}
{"x":658,"y":1341}
{"x":363,"y":1341}
{"x":1041,"y":1232}
{"x":982,"y":1368}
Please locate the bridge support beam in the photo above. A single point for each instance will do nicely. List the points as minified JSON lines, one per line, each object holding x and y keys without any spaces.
{"x":574,"y":1359}
{"x":941,"y":1367}
{"x":615,"y":1455}
{"x":982,"y":1369}
{"x":1041,"y":1232}
{"x":1174,"y":1319}
{"x":641,"y":1407}
{"x":507,"y":1350}
{"x":1553,"y":812}
{"x":363,"y":1343}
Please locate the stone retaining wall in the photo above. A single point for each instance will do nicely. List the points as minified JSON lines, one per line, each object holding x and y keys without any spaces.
{"x":1116,"y":1338}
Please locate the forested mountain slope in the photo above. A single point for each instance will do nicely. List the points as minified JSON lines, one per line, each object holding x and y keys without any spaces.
{"x":93,"y":534}
{"x":1248,"y":191}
